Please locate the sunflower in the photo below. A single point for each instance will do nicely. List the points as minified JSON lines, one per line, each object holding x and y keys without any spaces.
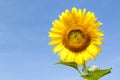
{"x":76,"y":36}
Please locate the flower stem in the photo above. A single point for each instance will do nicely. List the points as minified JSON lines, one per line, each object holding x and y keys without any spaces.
{"x":84,"y":68}
{"x":79,"y":71}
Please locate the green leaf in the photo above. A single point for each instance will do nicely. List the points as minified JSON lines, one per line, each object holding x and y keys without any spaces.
{"x":70,"y":64}
{"x":97,"y":74}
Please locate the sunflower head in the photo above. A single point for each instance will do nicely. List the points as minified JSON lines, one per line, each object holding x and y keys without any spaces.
{"x":76,"y":36}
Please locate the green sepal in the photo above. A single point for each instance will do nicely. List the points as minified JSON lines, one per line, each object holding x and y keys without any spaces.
{"x":97,"y":74}
{"x":70,"y":64}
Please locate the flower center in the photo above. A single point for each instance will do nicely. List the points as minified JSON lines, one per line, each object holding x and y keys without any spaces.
{"x":76,"y":39}
{"x":75,"y":36}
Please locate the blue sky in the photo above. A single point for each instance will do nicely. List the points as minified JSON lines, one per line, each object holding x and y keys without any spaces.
{"x":24,"y":50}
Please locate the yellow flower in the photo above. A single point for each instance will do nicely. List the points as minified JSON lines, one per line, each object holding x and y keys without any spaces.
{"x":76,"y":36}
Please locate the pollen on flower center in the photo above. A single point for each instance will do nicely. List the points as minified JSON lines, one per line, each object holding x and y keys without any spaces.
{"x":75,"y":36}
{"x":76,"y":39}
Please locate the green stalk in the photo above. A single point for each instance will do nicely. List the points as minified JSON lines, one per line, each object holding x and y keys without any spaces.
{"x":84,"y":68}
{"x":79,"y":71}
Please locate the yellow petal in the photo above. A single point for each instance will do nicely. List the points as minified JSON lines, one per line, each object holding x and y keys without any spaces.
{"x":85,"y":56}
{"x":63,"y":54}
{"x":83,"y":13}
{"x":56,"y":30}
{"x":54,"y":42}
{"x":70,"y":57}
{"x":79,"y":59}
{"x":57,"y":24}
{"x":58,"y":48}
{"x":92,"y":19}
{"x":87,"y":17}
{"x":91,"y":56}
{"x":97,"y":42}
{"x":51,"y":34}
{"x":97,"y":39}
{"x":94,"y":50}
{"x":74,"y":10}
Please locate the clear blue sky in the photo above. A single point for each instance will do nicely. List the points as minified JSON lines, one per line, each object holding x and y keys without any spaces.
{"x":24,"y":50}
